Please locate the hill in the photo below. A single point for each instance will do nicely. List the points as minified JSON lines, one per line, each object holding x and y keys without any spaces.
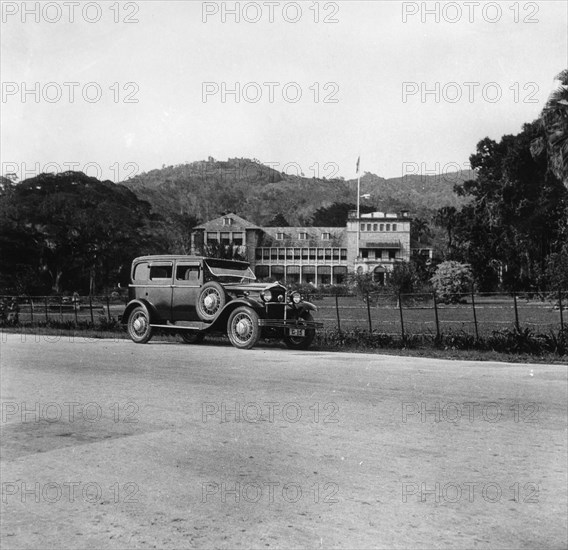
{"x":207,"y":189}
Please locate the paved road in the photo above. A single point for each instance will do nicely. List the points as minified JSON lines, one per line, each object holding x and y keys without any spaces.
{"x":114,"y":445}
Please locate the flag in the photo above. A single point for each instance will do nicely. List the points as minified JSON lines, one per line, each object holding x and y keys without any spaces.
{"x":357,"y":169}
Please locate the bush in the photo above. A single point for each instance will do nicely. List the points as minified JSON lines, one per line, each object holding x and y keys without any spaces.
{"x":451,"y":281}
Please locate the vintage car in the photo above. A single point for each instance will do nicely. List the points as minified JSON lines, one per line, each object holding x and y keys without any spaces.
{"x":195,"y":296}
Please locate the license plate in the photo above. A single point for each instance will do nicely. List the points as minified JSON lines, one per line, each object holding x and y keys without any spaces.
{"x":297,"y":332}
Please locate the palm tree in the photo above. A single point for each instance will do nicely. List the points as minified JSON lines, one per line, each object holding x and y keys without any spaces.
{"x":554,"y":123}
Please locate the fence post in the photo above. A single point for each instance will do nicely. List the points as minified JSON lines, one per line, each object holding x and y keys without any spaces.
{"x":31,"y":310}
{"x":46,"y":315}
{"x":474,"y":314}
{"x":516,"y":311}
{"x":560,"y":306}
{"x":436,"y":316}
{"x":369,"y":312}
{"x":91,"y":309}
{"x":108,"y":308}
{"x":401,"y":316}
{"x":337,"y":312}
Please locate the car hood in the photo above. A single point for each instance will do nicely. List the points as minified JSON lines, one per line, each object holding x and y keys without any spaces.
{"x":255,"y":287}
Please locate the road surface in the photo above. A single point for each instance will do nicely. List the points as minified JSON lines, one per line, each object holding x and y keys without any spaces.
{"x":109,"y":444}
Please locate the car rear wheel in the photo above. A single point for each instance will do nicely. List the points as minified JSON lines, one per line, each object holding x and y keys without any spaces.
{"x":242,"y":328}
{"x":301,"y":342}
{"x":190,"y":337}
{"x":211,"y":301}
{"x":139,"y":328}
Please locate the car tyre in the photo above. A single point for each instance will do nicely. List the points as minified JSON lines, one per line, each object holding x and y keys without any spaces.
{"x":190,"y":337}
{"x":139,"y":328}
{"x":242,"y":328}
{"x":301,"y":342}
{"x":211,"y":301}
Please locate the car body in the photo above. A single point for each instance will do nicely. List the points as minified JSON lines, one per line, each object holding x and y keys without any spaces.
{"x":196,"y":295}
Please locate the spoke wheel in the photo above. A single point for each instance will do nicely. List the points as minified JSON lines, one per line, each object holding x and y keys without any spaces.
{"x":139,"y":328}
{"x":211,"y":301}
{"x":301,"y":342}
{"x":190,"y":337}
{"x":242,"y":328}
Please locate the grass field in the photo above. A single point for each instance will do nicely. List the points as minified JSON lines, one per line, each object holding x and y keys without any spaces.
{"x":420,"y":318}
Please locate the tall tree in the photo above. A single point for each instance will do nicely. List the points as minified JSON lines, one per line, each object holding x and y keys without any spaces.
{"x":553,"y":122}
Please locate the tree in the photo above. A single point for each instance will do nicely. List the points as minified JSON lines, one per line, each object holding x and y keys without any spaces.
{"x":513,"y":219}
{"x":446,"y":217}
{"x":553,"y":122}
{"x":336,"y":215}
{"x":278,"y":221}
{"x":83,"y":230}
{"x":451,"y":280}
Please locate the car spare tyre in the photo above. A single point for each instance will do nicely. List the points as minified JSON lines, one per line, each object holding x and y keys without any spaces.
{"x":211,"y":301}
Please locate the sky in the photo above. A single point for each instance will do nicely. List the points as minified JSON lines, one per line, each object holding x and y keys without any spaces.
{"x":119,"y":88}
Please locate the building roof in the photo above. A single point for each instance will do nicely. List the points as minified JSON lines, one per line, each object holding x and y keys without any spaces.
{"x":218,"y":225}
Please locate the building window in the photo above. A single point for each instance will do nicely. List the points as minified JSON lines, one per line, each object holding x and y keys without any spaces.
{"x":228,"y":221}
{"x":369,"y":227}
{"x":320,"y":254}
{"x":273,"y":253}
{"x":388,"y":226}
{"x":303,"y":236}
{"x":326,"y":236}
{"x":394,"y":226}
{"x":343,"y":252}
{"x":375,"y":226}
{"x":362,"y":227}
{"x":312,"y":253}
{"x":336,"y":254}
{"x":238,"y":239}
{"x":281,"y":253}
{"x":212,"y":238}
{"x":328,"y":254}
{"x":392,"y":254}
{"x":364,"y":253}
{"x":382,"y":227}
{"x":280,"y":236}
{"x":297,"y":253}
{"x":304,"y":253}
{"x":225,"y":238}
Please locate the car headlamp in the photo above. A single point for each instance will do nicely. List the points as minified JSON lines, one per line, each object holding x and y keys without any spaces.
{"x":296,"y":298}
{"x":266,"y":295}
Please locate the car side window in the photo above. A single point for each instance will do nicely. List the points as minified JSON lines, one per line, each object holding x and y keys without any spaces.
{"x":141,"y":272}
{"x":188,"y":273}
{"x":160,"y":272}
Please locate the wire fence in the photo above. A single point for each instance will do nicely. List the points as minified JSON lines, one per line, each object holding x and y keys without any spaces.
{"x":387,"y":313}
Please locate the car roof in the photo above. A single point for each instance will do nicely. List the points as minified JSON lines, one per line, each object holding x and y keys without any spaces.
{"x":182,"y":257}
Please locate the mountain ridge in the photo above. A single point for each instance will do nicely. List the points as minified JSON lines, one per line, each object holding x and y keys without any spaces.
{"x":208,"y":189}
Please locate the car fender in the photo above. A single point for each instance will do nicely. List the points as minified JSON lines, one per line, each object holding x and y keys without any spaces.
{"x":150,"y":310}
{"x":223,"y":316}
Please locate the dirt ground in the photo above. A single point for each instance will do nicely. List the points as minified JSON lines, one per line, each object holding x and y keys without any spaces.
{"x":109,"y":444}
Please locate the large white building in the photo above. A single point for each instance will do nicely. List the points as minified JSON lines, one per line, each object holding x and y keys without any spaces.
{"x":319,"y":255}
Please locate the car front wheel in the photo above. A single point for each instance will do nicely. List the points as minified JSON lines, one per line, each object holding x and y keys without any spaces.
{"x":305,"y":341}
{"x":139,"y":328}
{"x":242,"y":328}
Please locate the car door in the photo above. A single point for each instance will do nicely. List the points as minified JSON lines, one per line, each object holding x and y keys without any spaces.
{"x":187,"y":284}
{"x":159,"y":289}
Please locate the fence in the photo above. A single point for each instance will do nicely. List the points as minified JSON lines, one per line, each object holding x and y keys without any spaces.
{"x":76,"y":310}
{"x":393,"y":314}
{"x":424,"y":315}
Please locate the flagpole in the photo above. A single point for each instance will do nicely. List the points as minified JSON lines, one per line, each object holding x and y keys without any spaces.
{"x":358,"y":205}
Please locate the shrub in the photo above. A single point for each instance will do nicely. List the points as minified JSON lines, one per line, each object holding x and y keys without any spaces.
{"x":451,"y":281}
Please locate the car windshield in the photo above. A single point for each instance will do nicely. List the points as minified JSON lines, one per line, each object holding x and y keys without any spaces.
{"x":227,"y":268}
